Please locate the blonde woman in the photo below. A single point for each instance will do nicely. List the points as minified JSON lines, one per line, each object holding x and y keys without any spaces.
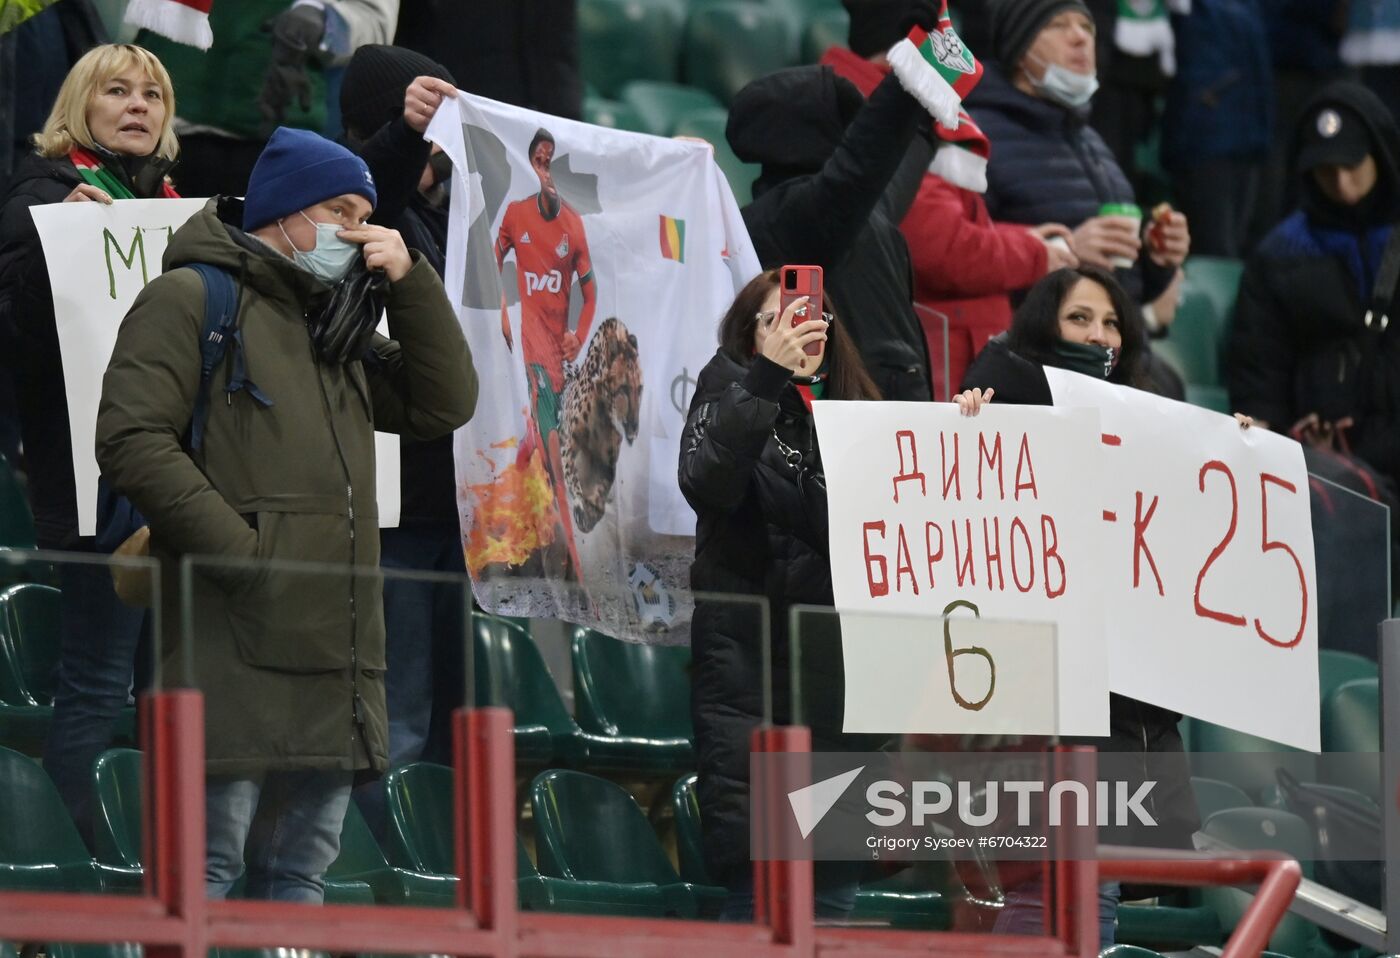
{"x":107,"y":138}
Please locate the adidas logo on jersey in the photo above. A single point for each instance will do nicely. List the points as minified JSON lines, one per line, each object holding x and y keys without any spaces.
{"x":525,"y":237}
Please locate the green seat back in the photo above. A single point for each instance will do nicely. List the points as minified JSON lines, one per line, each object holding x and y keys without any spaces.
{"x":34,"y":825}
{"x":126,"y":949}
{"x":117,"y":833}
{"x":626,"y":688}
{"x":420,"y":809}
{"x":1219,"y":278}
{"x":510,"y":672}
{"x":359,"y":854}
{"x":709,"y":125}
{"x":1251,"y":762}
{"x":1129,"y":951}
{"x":589,"y":829}
{"x":613,"y":114}
{"x":16,"y":523}
{"x":1334,"y":667}
{"x":1195,"y":338}
{"x":1351,"y":723}
{"x":621,"y":40}
{"x":1214,"y":398}
{"x":662,"y":106}
{"x":29,"y":643}
{"x":728,"y":45}
{"x":1213,"y":795}
{"x":690,"y":849}
{"x":825,"y":28}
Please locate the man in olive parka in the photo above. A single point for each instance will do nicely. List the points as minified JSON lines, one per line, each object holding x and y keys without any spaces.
{"x":291,"y":664}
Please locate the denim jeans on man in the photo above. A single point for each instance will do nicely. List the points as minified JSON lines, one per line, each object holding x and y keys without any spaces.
{"x":98,"y":642}
{"x":1024,"y":911}
{"x":424,"y":649}
{"x":284,"y":824}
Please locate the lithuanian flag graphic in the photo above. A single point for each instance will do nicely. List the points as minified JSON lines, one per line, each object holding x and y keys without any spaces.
{"x":673,"y":238}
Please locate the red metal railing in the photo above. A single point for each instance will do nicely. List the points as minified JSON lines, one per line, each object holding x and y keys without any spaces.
{"x":175,"y":920}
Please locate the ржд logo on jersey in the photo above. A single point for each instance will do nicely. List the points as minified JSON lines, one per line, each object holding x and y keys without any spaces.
{"x":550,"y":282}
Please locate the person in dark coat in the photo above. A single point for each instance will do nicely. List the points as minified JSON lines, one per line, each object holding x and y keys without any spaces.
{"x":524,"y":52}
{"x":751,"y":469}
{"x":1047,"y":164}
{"x":387,"y":100}
{"x":825,"y":198}
{"x":1311,"y":352}
{"x":108,"y":137}
{"x":1218,"y":121}
{"x":1081,"y":319}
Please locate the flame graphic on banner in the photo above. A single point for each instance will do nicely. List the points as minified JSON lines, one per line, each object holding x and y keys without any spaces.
{"x":514,"y":514}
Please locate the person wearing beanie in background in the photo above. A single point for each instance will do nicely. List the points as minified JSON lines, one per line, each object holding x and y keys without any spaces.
{"x":1311,"y":352}
{"x":839,"y":172}
{"x":1049,"y":165}
{"x":386,"y":101}
{"x":280,"y":467}
{"x":965,"y":265}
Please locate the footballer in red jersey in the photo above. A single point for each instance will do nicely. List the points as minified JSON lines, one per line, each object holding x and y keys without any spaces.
{"x":550,"y":250}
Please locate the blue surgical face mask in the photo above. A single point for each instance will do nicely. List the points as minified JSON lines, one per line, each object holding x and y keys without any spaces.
{"x":1064,"y":86}
{"x":332,"y":256}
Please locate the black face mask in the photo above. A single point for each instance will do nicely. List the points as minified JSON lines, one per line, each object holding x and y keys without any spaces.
{"x":343,"y":330}
{"x":1096,"y":361}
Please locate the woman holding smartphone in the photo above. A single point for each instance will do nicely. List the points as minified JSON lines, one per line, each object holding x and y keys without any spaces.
{"x":751,"y":468}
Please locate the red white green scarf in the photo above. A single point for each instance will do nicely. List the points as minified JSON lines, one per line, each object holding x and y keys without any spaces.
{"x":937,"y":68}
{"x":92,"y":171}
{"x":184,"y":21}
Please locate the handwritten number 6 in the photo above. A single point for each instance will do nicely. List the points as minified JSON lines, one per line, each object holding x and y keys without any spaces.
{"x":1201,"y":610}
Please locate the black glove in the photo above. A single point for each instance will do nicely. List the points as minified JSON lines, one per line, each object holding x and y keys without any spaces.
{"x":296,"y":36}
{"x":922,"y":13}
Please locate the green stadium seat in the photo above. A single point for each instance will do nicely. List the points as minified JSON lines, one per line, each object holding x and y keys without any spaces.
{"x":1351,"y":723}
{"x":40,"y":849}
{"x":621,"y":40}
{"x":1129,"y":951}
{"x":1275,"y":797}
{"x":362,"y":860}
{"x":709,"y":125}
{"x":633,"y":703}
{"x":727,"y":45}
{"x":1266,"y":829}
{"x":29,"y":646}
{"x":118,"y":826}
{"x":1218,"y":278}
{"x":114,"y":950}
{"x":1213,"y":795}
{"x":1195,"y":338}
{"x":690,"y":848}
{"x":1252,"y":763}
{"x":16,"y":523}
{"x":825,"y":28}
{"x":662,"y":106}
{"x":1335,"y":667}
{"x":914,"y":898}
{"x":589,"y":829}
{"x":511,"y":673}
{"x":613,"y":114}
{"x":1214,"y":398}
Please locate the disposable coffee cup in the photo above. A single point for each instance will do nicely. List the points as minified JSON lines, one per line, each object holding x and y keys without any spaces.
{"x":1129,"y":211}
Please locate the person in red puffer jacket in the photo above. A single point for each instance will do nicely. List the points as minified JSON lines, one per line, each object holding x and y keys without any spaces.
{"x":965,"y":265}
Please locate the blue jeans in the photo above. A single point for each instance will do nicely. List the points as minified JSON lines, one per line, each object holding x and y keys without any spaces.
{"x":286,"y":824}
{"x":424,"y":651}
{"x":834,"y":887}
{"x":98,"y":637}
{"x":1024,"y":914}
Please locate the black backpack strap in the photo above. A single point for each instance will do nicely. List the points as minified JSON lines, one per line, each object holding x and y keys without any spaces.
{"x":1387,"y":278}
{"x":220,"y":329}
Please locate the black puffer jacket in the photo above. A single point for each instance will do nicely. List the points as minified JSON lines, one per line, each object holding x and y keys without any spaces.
{"x":824,"y":199}
{"x":1300,"y":343}
{"x":1145,"y":731}
{"x":29,"y":338}
{"x":762,"y":530}
{"x":1049,"y":166}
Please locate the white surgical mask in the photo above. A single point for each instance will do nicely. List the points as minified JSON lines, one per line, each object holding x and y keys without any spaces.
{"x":1064,"y":86}
{"x":332,"y":257}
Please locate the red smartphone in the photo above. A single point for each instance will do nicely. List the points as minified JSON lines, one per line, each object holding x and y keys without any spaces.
{"x":794,"y":282}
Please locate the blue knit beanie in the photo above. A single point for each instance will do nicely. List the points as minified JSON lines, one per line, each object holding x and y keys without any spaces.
{"x":298,"y":169}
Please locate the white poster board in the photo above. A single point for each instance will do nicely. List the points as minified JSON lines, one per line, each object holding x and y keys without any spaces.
{"x":99,"y":258}
{"x":1209,"y":572}
{"x":929,"y":508}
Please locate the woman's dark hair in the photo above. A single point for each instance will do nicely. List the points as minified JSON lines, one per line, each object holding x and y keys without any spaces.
{"x":846,"y":375}
{"x":1035,"y":329}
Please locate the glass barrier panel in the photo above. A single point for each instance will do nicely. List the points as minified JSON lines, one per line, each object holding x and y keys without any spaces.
{"x":941,"y":366}
{"x":75,"y":635}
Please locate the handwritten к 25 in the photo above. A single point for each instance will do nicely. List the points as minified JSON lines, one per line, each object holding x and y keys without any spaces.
{"x":794,"y":282}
